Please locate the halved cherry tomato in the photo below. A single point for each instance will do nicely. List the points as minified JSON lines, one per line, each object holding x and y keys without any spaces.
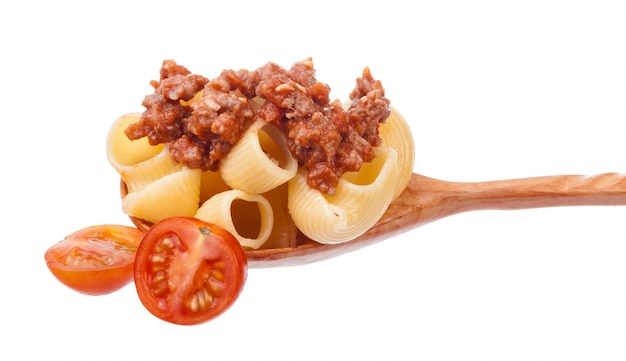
{"x":188,"y":271}
{"x":95,"y":260}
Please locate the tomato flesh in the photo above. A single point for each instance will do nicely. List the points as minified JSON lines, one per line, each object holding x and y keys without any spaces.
{"x":188,"y":271}
{"x":95,"y":260}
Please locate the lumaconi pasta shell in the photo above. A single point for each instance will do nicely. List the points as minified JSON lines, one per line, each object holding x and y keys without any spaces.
{"x":176,"y":194}
{"x":138,"y":162}
{"x":360,"y":200}
{"x":248,"y":217}
{"x":248,"y":167}
{"x":143,"y":174}
{"x":395,"y":133}
{"x":123,"y":152}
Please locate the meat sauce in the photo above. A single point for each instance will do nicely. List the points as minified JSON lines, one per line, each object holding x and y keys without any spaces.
{"x":202,"y":119}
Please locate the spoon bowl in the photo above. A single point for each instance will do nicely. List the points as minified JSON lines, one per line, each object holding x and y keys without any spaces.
{"x":426,"y":199}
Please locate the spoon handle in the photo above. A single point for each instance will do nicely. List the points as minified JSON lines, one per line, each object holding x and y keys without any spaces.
{"x":426,"y":199}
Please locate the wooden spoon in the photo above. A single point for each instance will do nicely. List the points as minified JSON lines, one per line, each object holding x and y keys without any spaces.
{"x":426,"y":199}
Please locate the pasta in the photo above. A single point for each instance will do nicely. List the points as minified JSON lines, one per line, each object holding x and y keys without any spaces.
{"x":248,"y":217}
{"x":395,"y":133}
{"x":262,"y":150}
{"x":176,"y":194}
{"x":157,"y":186}
{"x":145,"y":173}
{"x":138,"y":162}
{"x":257,"y":209}
{"x":359,"y":202}
{"x":123,"y":153}
{"x":259,"y":186}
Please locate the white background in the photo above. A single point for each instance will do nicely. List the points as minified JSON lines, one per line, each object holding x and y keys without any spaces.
{"x":492,"y":90}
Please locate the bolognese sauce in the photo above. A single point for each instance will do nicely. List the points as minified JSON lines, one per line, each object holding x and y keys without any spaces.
{"x":202,"y":119}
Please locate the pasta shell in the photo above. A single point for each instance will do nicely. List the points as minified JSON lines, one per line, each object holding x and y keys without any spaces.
{"x":123,"y":152}
{"x":395,"y":133}
{"x":360,"y":200}
{"x":176,"y":194}
{"x":260,"y":161}
{"x":138,"y":162}
{"x":145,"y":173}
{"x":248,"y":217}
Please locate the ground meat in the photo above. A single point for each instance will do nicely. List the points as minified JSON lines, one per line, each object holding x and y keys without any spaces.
{"x":324,"y":137}
{"x":217,"y":121}
{"x":369,"y":107}
{"x":162,"y":121}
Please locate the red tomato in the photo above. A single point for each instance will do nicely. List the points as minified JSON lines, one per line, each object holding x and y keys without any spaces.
{"x":95,"y":260}
{"x":188,"y":271}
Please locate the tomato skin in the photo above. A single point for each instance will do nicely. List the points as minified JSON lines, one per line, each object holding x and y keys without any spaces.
{"x":96,"y":260}
{"x":188,"y":271}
